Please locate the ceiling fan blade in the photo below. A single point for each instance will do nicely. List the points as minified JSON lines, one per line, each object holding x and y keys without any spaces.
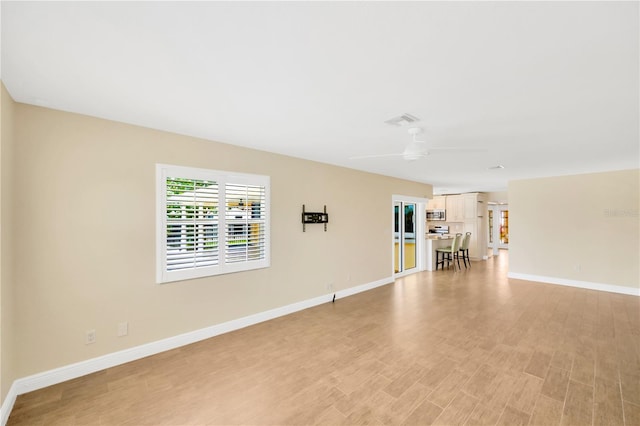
{"x":456,"y":149}
{"x":358,"y":157}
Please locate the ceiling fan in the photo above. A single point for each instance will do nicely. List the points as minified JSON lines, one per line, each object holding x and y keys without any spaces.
{"x":416,"y":149}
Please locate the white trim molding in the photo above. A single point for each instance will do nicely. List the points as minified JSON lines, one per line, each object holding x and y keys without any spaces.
{"x":631,"y":291}
{"x":7,"y":404}
{"x":82,"y":368}
{"x":362,"y":288}
{"x":420,"y":221}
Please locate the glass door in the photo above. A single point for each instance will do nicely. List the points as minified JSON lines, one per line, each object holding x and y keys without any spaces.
{"x":498,"y":227}
{"x":397,"y":231}
{"x":504,"y":227}
{"x":404,"y":236}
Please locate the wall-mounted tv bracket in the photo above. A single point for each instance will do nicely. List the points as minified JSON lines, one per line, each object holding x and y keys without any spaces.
{"x":314,"y":217}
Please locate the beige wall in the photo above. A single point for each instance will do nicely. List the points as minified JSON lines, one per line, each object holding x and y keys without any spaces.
{"x":583,"y":227}
{"x":85,"y":256}
{"x":7,"y":356}
{"x":500,"y":197}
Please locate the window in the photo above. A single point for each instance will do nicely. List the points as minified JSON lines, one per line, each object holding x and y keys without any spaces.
{"x":210,"y":222}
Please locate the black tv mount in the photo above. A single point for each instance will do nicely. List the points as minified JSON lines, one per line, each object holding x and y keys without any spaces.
{"x":314,"y":217}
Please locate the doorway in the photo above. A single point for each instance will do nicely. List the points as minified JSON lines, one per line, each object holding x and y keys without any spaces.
{"x":498,"y":227}
{"x":409,"y":217}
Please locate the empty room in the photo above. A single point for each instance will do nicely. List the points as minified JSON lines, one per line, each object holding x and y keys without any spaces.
{"x":320,"y":213}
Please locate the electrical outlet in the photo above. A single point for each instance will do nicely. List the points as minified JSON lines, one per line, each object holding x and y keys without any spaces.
{"x":123,"y":329}
{"x":330,"y":286}
{"x":90,"y":337}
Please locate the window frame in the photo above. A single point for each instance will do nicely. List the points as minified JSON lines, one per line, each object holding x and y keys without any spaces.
{"x":222,"y":178}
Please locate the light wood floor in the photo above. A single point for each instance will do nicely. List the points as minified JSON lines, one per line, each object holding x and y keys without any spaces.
{"x":444,"y":347}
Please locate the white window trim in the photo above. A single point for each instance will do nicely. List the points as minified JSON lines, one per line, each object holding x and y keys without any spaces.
{"x":222,"y":178}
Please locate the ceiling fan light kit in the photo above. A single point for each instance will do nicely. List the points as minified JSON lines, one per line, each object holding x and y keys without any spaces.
{"x":414,"y":151}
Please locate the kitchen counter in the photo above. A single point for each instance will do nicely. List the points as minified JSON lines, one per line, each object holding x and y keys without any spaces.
{"x":433,"y":242}
{"x":440,"y":236}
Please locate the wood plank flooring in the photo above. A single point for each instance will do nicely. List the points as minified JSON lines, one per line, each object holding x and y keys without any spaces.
{"x":442,"y":348}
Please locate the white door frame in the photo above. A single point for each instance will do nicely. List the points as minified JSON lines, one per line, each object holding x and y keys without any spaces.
{"x":419,"y":218}
{"x":495,"y":245}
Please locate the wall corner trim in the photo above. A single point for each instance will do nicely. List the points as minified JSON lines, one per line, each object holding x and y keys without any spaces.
{"x":575,"y":283}
{"x":7,"y":404}
{"x":82,"y":368}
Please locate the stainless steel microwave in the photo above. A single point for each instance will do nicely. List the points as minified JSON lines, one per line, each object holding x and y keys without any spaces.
{"x":438,"y":214}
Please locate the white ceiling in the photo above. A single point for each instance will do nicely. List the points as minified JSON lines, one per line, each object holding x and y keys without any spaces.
{"x":547,"y":88}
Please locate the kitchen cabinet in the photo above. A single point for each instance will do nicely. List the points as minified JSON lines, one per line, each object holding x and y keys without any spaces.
{"x":476,"y":223}
{"x":461,"y":207}
{"x":465,"y":207}
{"x":478,"y":242}
{"x":437,"y":203}
{"x":455,"y":208}
{"x":467,"y":213}
{"x":470,"y":206}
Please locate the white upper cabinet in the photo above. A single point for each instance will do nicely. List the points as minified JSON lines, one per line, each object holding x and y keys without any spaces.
{"x":437,"y":203}
{"x":463,"y":207}
{"x":470,"y":201}
{"x":455,"y":208}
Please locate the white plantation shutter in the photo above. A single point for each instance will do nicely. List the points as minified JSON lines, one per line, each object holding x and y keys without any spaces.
{"x":245,"y":223}
{"x":192,"y":223}
{"x":210,"y":222}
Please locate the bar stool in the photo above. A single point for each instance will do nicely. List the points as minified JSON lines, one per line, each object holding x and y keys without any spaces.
{"x":449,"y":254}
{"x":464,"y":249}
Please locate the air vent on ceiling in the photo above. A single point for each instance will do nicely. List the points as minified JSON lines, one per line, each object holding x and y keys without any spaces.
{"x":402,"y":120}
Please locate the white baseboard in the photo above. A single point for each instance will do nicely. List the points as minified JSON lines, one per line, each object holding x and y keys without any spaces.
{"x":7,"y":404}
{"x":575,"y":283}
{"x":364,"y":287}
{"x":72,"y":371}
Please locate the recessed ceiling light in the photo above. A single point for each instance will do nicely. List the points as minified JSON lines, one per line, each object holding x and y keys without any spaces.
{"x":498,"y":167}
